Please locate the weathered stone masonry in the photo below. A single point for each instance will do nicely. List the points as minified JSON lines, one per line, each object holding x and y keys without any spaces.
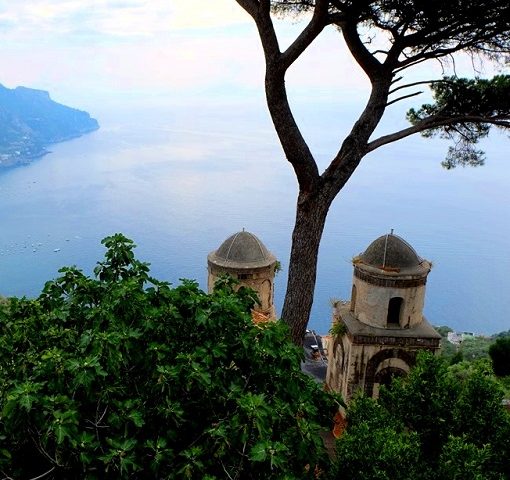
{"x":245,"y":258}
{"x":382,"y":328}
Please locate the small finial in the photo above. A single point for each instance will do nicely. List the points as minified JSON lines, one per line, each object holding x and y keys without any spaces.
{"x":391,"y":232}
{"x":243,"y":229}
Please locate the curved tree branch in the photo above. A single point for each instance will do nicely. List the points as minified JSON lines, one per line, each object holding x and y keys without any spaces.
{"x":45,"y":474}
{"x":407,"y":85}
{"x":317,"y":23}
{"x":370,"y":65}
{"x":251,"y":6}
{"x":412,"y":63}
{"x":354,"y":147}
{"x":291,"y":139}
{"x":403,"y":97}
{"x":435,"y":122}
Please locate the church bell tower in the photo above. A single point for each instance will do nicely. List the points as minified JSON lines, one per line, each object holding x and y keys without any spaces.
{"x":245,"y":258}
{"x":380,"y":331}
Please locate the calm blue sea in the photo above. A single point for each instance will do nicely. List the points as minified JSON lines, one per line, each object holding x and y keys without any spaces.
{"x":180,"y":180}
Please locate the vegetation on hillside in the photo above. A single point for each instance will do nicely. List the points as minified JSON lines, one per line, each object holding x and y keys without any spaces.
{"x":499,"y":352}
{"x":464,"y":357}
{"x":469,"y":350}
{"x":30,"y":121}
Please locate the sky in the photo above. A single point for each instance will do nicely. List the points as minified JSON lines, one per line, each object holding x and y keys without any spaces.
{"x":102,"y":52}
{"x":107,"y":50}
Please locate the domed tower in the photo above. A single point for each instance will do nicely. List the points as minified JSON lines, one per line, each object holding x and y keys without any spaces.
{"x":245,"y":257}
{"x":379,"y":332}
{"x":389,"y":280}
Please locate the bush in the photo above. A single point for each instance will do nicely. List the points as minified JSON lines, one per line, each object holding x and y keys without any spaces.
{"x":431,"y":425}
{"x":123,"y":376}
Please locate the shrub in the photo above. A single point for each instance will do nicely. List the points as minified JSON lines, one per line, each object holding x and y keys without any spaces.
{"x":123,"y":376}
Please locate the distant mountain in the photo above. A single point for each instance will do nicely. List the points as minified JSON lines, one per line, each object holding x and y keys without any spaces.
{"x":30,"y":121}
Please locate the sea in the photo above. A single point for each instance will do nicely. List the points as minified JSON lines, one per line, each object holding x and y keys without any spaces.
{"x":179,"y":179}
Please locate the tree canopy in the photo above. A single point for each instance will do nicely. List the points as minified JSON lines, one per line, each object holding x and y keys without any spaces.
{"x":430,"y":425}
{"x":123,"y":376}
{"x":386,"y":39}
{"x":499,"y":352}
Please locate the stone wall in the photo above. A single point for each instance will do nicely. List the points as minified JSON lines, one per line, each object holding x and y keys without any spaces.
{"x":258,"y":279}
{"x":371,"y":305}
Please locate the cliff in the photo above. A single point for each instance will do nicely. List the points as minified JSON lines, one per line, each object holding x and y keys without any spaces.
{"x":30,"y":121}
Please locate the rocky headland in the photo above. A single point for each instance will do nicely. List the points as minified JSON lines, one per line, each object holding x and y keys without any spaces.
{"x":30,"y":121}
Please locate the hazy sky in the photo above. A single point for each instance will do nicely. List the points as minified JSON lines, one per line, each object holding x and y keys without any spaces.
{"x":176,"y":49}
{"x":99,"y":52}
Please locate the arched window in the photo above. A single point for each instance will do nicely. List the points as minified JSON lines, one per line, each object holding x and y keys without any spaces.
{"x":353,"y":298}
{"x":394,"y":311}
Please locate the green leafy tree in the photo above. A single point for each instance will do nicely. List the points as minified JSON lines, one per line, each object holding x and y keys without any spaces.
{"x":376,"y":446}
{"x":448,"y":350}
{"x":387,"y":39}
{"x":431,"y":425}
{"x":475,"y":348}
{"x":506,"y":333}
{"x":460,"y":459}
{"x":423,"y":401}
{"x":443,"y":330}
{"x":122,"y":376}
{"x":499,"y":352}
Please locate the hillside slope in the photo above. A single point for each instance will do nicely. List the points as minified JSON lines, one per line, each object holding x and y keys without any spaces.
{"x":30,"y":121}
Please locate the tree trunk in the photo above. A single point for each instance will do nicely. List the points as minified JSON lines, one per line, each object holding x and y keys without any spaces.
{"x":310,"y":219}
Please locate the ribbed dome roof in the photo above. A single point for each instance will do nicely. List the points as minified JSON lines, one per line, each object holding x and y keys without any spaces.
{"x":392,"y":252}
{"x":242,"y":250}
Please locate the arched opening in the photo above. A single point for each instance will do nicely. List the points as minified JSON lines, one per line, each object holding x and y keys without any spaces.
{"x":372,"y":365}
{"x":384,"y":377}
{"x":353,"y":298}
{"x":394,"y":310}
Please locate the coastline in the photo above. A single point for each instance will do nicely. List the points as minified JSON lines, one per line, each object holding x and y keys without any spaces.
{"x":18,"y":158}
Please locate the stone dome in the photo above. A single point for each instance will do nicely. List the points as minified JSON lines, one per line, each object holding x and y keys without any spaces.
{"x":242,"y":250}
{"x":390,"y":252}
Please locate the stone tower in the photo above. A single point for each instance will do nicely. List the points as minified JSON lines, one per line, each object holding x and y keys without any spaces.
{"x":380,"y":331}
{"x":244,"y":257}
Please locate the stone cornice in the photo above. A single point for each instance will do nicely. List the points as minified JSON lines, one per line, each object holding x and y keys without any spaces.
{"x":387,"y":281}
